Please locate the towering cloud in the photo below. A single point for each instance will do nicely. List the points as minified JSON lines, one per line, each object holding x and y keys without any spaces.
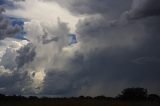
{"x":51,"y":11}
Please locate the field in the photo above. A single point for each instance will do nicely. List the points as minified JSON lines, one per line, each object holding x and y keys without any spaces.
{"x":76,"y":102}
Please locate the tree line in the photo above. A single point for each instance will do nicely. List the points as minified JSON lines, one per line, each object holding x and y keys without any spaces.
{"x":129,"y":94}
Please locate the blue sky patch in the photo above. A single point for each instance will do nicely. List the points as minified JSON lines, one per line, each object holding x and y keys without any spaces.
{"x":72,"y":39}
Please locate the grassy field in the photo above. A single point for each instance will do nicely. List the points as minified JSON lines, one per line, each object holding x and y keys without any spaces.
{"x":75,"y":102}
{"x":128,"y":97}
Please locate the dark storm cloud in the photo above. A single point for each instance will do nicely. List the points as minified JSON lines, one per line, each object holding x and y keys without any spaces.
{"x":9,"y":55}
{"x":116,"y":61}
{"x":107,"y":7}
{"x":105,"y":73}
{"x":147,"y":60}
{"x":140,"y":8}
{"x":14,"y":79}
{"x":25,"y":55}
{"x":6,"y":29}
{"x":120,"y":55}
{"x":144,"y":8}
{"x":113,"y":55}
{"x":14,"y":83}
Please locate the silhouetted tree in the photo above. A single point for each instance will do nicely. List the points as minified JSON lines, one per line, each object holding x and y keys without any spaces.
{"x":1,"y":95}
{"x":88,"y":97}
{"x":81,"y":97}
{"x":100,"y":97}
{"x":153,"y":97}
{"x":33,"y":97}
{"x":133,"y":94}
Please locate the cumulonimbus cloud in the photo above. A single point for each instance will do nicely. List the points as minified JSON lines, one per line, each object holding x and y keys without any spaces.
{"x":100,"y":61}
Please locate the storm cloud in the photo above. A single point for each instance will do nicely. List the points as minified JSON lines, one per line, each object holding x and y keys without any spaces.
{"x":6,"y":29}
{"x":117,"y":47}
{"x":26,"y":55}
{"x":144,"y":8}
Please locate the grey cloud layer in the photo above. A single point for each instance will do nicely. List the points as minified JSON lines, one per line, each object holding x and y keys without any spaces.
{"x":144,"y":8}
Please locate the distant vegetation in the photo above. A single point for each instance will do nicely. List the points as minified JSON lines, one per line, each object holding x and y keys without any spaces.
{"x":128,"y":97}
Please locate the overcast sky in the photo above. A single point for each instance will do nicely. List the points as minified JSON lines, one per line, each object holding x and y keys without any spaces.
{"x":117,"y":46}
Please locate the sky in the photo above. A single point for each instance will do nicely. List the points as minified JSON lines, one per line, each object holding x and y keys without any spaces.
{"x":79,"y":47}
